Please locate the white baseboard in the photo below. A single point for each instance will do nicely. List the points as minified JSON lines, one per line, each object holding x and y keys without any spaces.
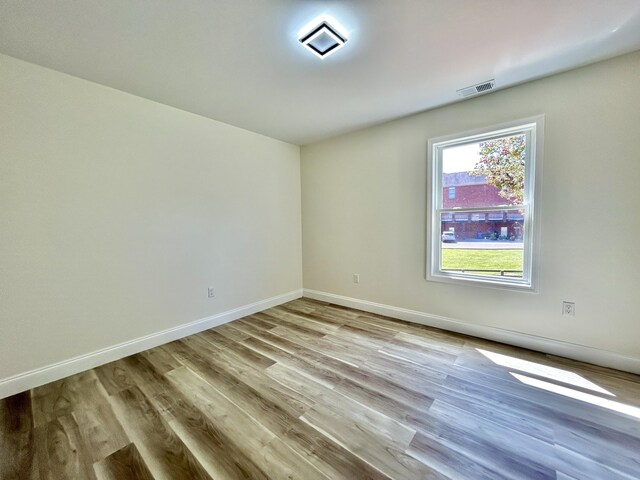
{"x":574,"y":351}
{"x":40,"y":376}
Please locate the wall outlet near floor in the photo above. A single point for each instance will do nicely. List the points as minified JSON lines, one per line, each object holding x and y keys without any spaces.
{"x":356,"y":278}
{"x":569,"y":308}
{"x":210,"y":292}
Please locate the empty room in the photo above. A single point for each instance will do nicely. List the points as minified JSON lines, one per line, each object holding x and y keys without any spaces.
{"x":319,"y":240}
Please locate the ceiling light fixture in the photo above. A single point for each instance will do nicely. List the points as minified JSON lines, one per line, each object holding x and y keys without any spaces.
{"x":322,"y":37}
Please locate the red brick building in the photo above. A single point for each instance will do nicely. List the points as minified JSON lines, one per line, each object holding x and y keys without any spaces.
{"x":462,"y":190}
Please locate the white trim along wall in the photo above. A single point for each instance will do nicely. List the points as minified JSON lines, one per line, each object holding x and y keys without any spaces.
{"x":546,"y":345}
{"x":50,"y":373}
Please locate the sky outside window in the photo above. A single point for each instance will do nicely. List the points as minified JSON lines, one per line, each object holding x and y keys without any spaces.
{"x":460,"y":159}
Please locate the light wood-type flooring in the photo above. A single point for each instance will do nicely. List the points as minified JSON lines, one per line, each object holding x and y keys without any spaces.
{"x":312,"y":391}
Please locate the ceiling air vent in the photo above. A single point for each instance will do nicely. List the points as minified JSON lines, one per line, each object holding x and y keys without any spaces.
{"x":477,"y":89}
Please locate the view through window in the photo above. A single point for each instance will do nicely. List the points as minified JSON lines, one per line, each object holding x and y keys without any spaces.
{"x":483,"y":230}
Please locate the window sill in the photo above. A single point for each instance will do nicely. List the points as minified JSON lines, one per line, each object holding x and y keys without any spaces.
{"x":483,"y":282}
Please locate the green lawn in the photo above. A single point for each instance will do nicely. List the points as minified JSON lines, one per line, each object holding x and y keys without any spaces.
{"x":477,"y":259}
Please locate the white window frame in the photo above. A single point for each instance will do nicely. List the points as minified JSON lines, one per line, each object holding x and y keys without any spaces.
{"x":533,"y":128}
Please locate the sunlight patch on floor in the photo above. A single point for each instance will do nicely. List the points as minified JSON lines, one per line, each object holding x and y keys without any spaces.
{"x":546,"y":371}
{"x":578,"y":395}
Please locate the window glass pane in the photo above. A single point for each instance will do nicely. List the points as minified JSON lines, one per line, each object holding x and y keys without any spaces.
{"x":483,"y":243}
{"x":489,"y":173}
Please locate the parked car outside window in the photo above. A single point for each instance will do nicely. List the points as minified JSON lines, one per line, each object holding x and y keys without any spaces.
{"x":449,"y":237}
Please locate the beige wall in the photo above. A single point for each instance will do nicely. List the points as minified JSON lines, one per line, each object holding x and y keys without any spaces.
{"x":364,"y":195}
{"x":117,"y":213}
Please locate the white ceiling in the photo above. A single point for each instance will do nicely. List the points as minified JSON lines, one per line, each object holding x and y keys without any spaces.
{"x":238,"y":61}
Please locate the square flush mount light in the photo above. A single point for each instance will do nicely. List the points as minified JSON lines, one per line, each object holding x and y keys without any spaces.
{"x":321,"y":38}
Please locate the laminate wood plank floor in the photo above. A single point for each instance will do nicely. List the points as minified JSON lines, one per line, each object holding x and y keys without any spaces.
{"x":310,"y":390}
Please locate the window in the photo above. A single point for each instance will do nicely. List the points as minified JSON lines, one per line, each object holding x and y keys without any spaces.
{"x":495,"y":173}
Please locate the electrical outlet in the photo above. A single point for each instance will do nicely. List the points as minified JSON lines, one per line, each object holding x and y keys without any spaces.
{"x":211,"y":293}
{"x":569,"y":308}
{"x":356,"y":278}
